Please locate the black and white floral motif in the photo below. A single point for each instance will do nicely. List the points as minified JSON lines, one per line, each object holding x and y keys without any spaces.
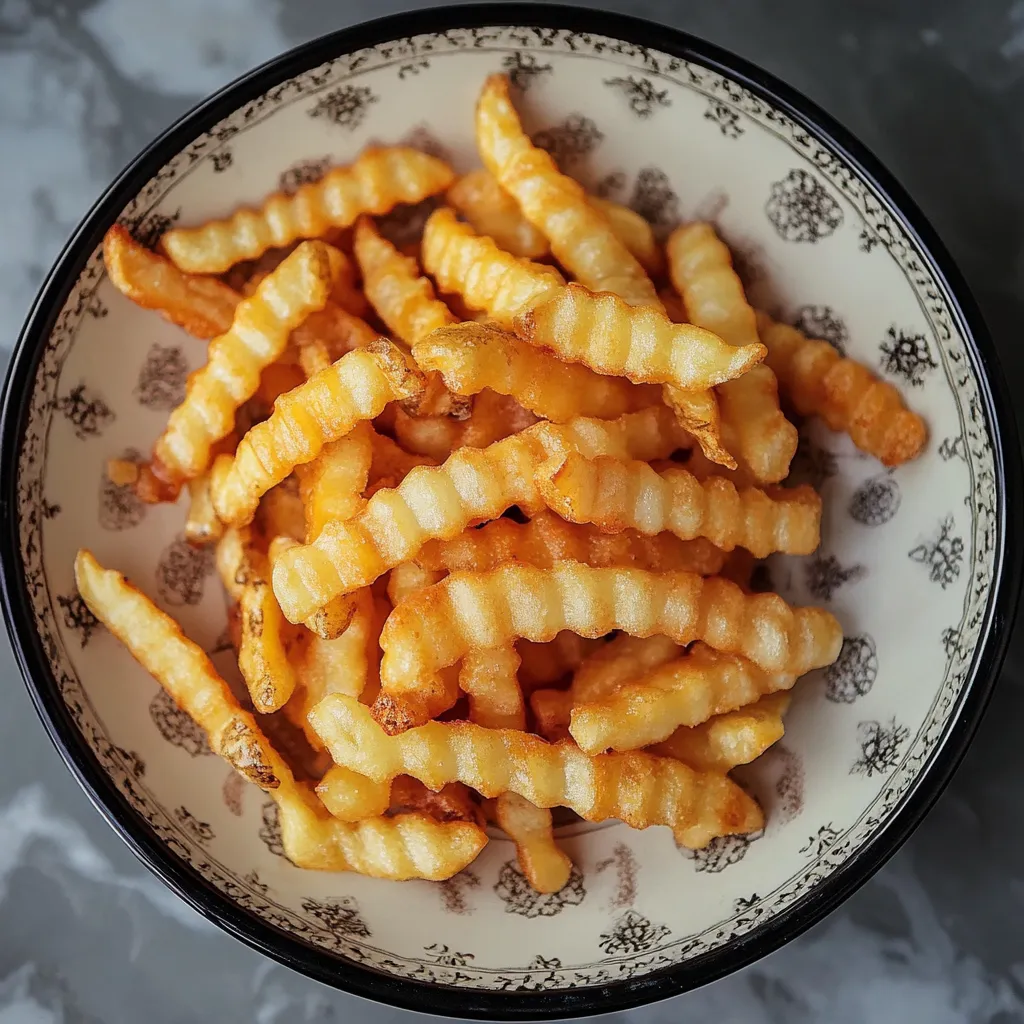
{"x":632,"y":933}
{"x":132,"y":762}
{"x":853,"y":673}
{"x":943,"y":555}
{"x":655,"y":200}
{"x":880,"y":747}
{"x":823,"y":323}
{"x":727,"y":119}
{"x":801,"y":209}
{"x":743,"y":903}
{"x":305,"y":172}
{"x":950,"y":641}
{"x":222,"y":160}
{"x":441,"y":954}
{"x":253,"y":879}
{"x":75,"y":615}
{"x":907,"y":355}
{"x":96,"y":308}
{"x":222,"y":643}
{"x":176,"y":726}
{"x":812,"y":464}
{"x":200,"y":831}
{"x":818,"y":844}
{"x":876,"y":501}
{"x":182,"y":571}
{"x":611,"y":184}
{"x":231,"y":791}
{"x":120,"y":508}
{"x":644,"y":99}
{"x":789,"y":787}
{"x":521,"y":898}
{"x":523,"y":69}
{"x":825,"y":575}
{"x":161,"y":383}
{"x":270,"y":829}
{"x":952,"y":448}
{"x":569,"y":141}
{"x":339,"y":915}
{"x":413,"y":68}
{"x":148,"y":230}
{"x":721,"y":852}
{"x":50,"y":510}
{"x":453,"y":891}
{"x":85,"y":411}
{"x":625,"y":863}
{"x":345,"y":106}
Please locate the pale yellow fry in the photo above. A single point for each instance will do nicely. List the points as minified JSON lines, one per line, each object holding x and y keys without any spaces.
{"x":407,"y":579}
{"x":203,"y":306}
{"x":473,"y":485}
{"x":471,"y":357}
{"x":622,"y":660}
{"x":551,"y":710}
{"x":379,"y":180}
{"x":257,"y":338}
{"x":637,"y":788}
{"x":406,"y":846}
{"x":281,"y":511}
{"x":728,"y":740}
{"x":580,"y":236}
{"x":699,"y":412}
{"x":488,"y":678}
{"x":201,"y":524}
{"x":686,"y":691}
{"x":493,"y":212}
{"x":323,"y":409}
{"x":845,"y":394}
{"x":546,"y":867}
{"x":328,"y":335}
{"x":616,"y":494}
{"x":350,"y":796}
{"x":543,"y":664}
{"x":634,"y":232}
{"x":753,"y":426}
{"x":485,"y":276}
{"x":332,"y":484}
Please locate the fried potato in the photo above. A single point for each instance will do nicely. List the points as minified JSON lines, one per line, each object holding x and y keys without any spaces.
{"x":754,"y":427}
{"x":328,"y":335}
{"x":323,"y":409}
{"x":641,"y":343}
{"x":699,"y":412}
{"x":493,"y":212}
{"x":405,"y":846}
{"x":390,"y":464}
{"x":454,"y":802}
{"x":687,"y":691}
{"x":634,"y":232}
{"x":581,"y":237}
{"x":637,"y":788}
{"x":551,"y":710}
{"x":486,"y":277}
{"x":471,"y":357}
{"x":350,"y":796}
{"x":622,"y":660}
{"x":544,"y":664}
{"x":408,"y":578}
{"x":203,"y":306}
{"x":615,"y":494}
{"x":546,"y":867}
{"x":726,"y":741}
{"x":473,"y":485}
{"x":379,"y":180}
{"x":845,"y":394}
{"x":258,"y":336}
{"x":488,"y":678}
{"x":331,"y":485}
{"x":282,"y":513}
{"x":201,"y":525}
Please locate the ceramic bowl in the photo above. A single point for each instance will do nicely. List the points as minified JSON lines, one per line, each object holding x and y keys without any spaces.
{"x":916,"y":563}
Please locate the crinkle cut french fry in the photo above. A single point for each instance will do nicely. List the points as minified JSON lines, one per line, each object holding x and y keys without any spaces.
{"x":686,"y":691}
{"x":580,"y":236}
{"x":699,"y":413}
{"x":258,"y":336}
{"x":407,"y":579}
{"x":203,"y":306}
{"x":350,"y":796}
{"x":551,"y":710}
{"x":330,"y":621}
{"x":332,"y":484}
{"x":202,"y":525}
{"x":543,"y":664}
{"x":622,"y":660}
{"x":486,"y":277}
{"x":323,"y":409}
{"x":434,"y":628}
{"x":282,"y":512}
{"x":546,"y":867}
{"x":488,"y":678}
{"x":440,"y":502}
{"x":605,"y":333}
{"x":728,"y":740}
{"x":471,"y":357}
{"x":454,"y":802}
{"x":637,"y":788}
{"x":818,"y":381}
{"x":754,"y":427}
{"x":634,"y":232}
{"x":493,"y":212}
{"x":328,"y":335}
{"x":405,"y":846}
{"x":390,"y":464}
{"x":616,"y":494}
{"x":380,"y":179}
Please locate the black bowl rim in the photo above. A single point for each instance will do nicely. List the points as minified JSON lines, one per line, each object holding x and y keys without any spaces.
{"x":313,"y":961}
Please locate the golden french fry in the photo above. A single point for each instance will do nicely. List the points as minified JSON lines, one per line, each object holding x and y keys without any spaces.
{"x":754,"y":428}
{"x":622,"y":660}
{"x":350,"y":796}
{"x":580,"y":236}
{"x":637,"y":788}
{"x":379,"y":180}
{"x":201,"y":525}
{"x":405,"y":846}
{"x":473,"y":485}
{"x":725,"y":741}
{"x":258,"y":336}
{"x":673,"y":305}
{"x":634,"y":233}
{"x":615,"y":494}
{"x":687,"y":691}
{"x":546,"y":867}
{"x":699,"y":413}
{"x":390,"y":464}
{"x":282,"y":512}
{"x":845,"y":394}
{"x":544,"y":664}
{"x":493,"y":212}
{"x":203,"y":306}
{"x":454,"y":802}
{"x":486,"y":277}
{"x":471,"y":357}
{"x":551,"y":710}
{"x":323,"y":409}
{"x":488,"y":678}
{"x":331,"y":485}
{"x":408,"y":578}
{"x":328,"y":335}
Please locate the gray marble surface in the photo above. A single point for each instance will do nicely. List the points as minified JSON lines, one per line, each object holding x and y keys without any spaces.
{"x":937,"y":90}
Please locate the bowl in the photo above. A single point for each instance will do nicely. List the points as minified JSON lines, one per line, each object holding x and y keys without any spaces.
{"x":917,"y":562}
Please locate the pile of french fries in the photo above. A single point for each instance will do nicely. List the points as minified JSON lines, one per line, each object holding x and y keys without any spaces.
{"x":486,"y":507}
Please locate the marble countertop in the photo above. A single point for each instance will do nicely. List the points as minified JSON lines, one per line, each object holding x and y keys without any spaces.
{"x":936,"y":90}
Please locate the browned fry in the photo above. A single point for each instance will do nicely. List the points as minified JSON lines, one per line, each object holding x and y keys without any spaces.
{"x":546,"y":867}
{"x":551,"y":710}
{"x":620,"y":661}
{"x":488,"y":678}
{"x":328,"y":335}
{"x":454,"y":802}
{"x":493,"y":212}
{"x":699,"y":412}
{"x":818,"y":381}
{"x":544,"y":664}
